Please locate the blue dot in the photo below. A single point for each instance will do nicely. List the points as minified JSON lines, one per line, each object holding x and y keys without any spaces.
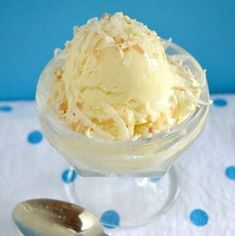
{"x":69,"y":176}
{"x":5,"y":108}
{"x":154,"y":179}
{"x":230,"y":172}
{"x":110,"y":219}
{"x":199,"y":217}
{"x":35,"y":137}
{"x":220,"y":102}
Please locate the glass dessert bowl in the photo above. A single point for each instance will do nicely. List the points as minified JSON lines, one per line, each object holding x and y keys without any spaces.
{"x":150,"y":183}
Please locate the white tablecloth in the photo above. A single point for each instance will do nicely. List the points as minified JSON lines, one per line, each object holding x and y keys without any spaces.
{"x":30,"y":168}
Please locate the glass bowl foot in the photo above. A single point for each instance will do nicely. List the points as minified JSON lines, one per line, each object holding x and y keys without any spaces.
{"x":124,"y":201}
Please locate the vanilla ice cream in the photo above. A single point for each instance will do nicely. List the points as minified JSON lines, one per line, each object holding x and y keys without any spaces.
{"x":117,"y":83}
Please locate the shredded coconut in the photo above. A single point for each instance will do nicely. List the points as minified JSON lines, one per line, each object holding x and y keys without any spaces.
{"x":105,"y":113}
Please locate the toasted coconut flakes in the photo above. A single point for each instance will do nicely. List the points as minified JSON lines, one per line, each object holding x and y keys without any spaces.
{"x":109,"y":122}
{"x":119,"y":40}
{"x":128,"y":44}
{"x":73,"y":126}
{"x":126,"y":50}
{"x":58,"y":77}
{"x":138,"y":48}
{"x":58,"y":74}
{"x":79,"y":126}
{"x":63,"y":106}
{"x":95,"y":120}
{"x":79,"y":104}
{"x":152,"y":130}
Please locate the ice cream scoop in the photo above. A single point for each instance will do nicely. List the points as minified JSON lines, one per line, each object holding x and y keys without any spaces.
{"x":117,"y":83}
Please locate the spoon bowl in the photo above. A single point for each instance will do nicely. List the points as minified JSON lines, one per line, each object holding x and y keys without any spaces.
{"x":47,"y":217}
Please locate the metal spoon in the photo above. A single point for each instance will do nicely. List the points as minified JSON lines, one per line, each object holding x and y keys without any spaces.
{"x":47,"y":217}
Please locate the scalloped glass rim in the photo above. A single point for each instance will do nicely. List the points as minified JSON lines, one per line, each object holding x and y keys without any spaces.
{"x":54,"y":121}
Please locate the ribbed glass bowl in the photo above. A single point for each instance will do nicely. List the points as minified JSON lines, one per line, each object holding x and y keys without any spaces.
{"x":143,"y":157}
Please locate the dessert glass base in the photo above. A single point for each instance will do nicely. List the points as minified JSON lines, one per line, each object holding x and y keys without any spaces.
{"x":137,"y":201}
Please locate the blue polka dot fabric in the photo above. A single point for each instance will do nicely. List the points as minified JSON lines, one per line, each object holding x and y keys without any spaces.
{"x":35,"y":137}
{"x":110,"y":219}
{"x":220,"y":102}
{"x":154,"y":179}
{"x":5,"y":108}
{"x":199,"y":217}
{"x":230,"y":172}
{"x":69,"y":175}
{"x":31,"y":168}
